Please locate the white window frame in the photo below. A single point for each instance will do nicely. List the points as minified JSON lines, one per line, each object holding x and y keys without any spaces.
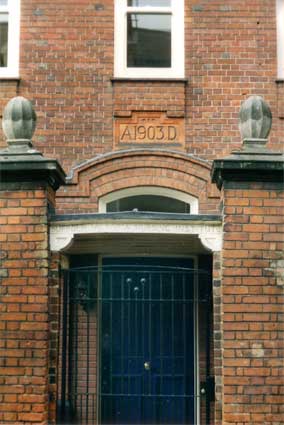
{"x":148,"y":190}
{"x":13,"y":15}
{"x":280,"y":38}
{"x":177,"y":36}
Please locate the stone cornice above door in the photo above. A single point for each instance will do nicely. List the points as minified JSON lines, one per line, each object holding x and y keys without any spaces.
{"x":198,"y":233}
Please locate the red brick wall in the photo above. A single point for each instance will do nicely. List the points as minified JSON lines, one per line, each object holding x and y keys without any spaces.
{"x":149,"y":96}
{"x":252,"y":297}
{"x":67,"y":66}
{"x":217,"y":345}
{"x":131,"y":169}
{"x":55,"y":310}
{"x":24,"y":304}
{"x":8,"y":89}
{"x":230,"y":54}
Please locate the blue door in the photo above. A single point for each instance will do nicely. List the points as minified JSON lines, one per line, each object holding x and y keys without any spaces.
{"x":147,"y":341}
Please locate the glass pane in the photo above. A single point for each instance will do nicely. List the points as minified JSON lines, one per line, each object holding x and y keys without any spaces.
{"x":148,"y":40}
{"x":149,"y":203}
{"x":149,"y":3}
{"x":3,"y":43}
{"x":3,"y":3}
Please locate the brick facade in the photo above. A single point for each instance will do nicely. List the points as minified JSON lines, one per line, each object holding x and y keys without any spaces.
{"x":252,"y":299}
{"x":24,"y":303}
{"x":66,"y":69}
{"x":127,"y":169}
{"x":228,"y":57}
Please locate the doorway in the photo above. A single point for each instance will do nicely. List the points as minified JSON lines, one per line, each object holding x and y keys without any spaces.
{"x":148,"y":371}
{"x":130,"y":341}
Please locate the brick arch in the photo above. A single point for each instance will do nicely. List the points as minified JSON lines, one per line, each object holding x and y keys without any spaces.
{"x":125,"y":169}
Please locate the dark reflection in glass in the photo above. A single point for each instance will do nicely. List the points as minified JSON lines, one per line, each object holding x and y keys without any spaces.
{"x":149,"y":203}
{"x":149,"y":3}
{"x":148,"y":40}
{"x":3,"y":43}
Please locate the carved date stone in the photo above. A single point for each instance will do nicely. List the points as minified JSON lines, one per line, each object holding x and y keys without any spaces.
{"x":19,"y":122}
{"x":255,"y":121}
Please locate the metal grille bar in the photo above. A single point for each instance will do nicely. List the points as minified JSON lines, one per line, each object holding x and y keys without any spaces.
{"x":139,"y":367}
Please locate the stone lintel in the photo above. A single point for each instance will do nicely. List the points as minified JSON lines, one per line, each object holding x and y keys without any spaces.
{"x":64,"y":234}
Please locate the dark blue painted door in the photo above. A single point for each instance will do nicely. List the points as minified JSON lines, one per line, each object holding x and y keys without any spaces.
{"x":147,"y":341}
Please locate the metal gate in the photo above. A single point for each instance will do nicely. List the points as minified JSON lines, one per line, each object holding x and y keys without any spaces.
{"x":129,"y":343}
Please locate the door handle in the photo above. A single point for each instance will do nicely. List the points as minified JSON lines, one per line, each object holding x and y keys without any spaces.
{"x":147,"y":366}
{"x":208,"y":388}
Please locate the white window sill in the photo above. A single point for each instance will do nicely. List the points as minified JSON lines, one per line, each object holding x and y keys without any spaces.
{"x":149,"y":73}
{"x":9,"y":76}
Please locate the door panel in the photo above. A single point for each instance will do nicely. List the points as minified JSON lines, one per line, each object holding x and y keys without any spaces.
{"x":147,"y":341}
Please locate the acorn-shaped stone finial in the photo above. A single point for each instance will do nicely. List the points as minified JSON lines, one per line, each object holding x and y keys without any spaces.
{"x":255,"y":121}
{"x":19,"y":121}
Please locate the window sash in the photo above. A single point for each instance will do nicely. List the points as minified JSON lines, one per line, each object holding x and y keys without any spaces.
{"x":4,"y":17}
{"x":4,"y":28}
{"x":158,"y":10}
{"x":149,"y":190}
{"x":149,"y":5}
{"x":280,"y":38}
{"x":147,"y":47}
{"x":13,"y":11}
{"x":5,"y":7}
{"x":177,"y":39}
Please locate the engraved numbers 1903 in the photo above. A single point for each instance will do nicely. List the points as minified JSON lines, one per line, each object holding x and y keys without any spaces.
{"x":148,"y":133}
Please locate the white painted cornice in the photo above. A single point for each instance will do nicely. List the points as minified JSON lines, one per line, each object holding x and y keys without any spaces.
{"x":62,"y":235}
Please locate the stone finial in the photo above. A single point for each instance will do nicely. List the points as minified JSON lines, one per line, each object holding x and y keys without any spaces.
{"x":19,"y":122}
{"x":255,"y":121}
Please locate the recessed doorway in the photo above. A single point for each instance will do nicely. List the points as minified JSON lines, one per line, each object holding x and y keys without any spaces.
{"x":136,"y":340}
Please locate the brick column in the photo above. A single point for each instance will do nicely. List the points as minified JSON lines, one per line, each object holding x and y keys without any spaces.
{"x":27,"y":188}
{"x":252,"y":284}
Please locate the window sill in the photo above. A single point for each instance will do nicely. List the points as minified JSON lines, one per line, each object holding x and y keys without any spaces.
{"x":9,"y":78}
{"x":149,"y":79}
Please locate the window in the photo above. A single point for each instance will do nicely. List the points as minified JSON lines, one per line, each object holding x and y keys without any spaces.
{"x":280,"y":37}
{"x":149,"y":38}
{"x":149,"y":199}
{"x":148,"y":203}
{"x":9,"y":38}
